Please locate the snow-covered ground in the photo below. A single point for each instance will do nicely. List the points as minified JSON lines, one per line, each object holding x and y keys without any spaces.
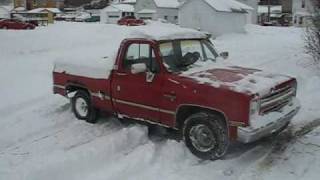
{"x":41,"y":139}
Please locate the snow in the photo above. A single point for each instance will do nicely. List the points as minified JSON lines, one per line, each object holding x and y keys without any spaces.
{"x":119,"y":7}
{"x":228,"y":5}
{"x":147,"y":11}
{"x":41,"y":139}
{"x":167,"y":3}
{"x":99,"y":63}
{"x":38,"y":10}
{"x":273,"y":9}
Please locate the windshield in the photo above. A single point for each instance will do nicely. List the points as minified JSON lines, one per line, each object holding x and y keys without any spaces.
{"x":182,"y":55}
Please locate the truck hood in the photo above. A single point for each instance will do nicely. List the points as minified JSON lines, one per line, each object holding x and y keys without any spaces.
{"x":239,"y":79}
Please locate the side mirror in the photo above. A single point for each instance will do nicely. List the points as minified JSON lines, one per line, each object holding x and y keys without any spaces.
{"x":224,"y":55}
{"x":138,"y":68}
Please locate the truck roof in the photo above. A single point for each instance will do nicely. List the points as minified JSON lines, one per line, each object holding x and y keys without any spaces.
{"x":163,"y":31}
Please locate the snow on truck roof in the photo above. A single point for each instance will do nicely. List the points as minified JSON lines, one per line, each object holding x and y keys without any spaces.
{"x":162,"y":31}
{"x":98,"y":62}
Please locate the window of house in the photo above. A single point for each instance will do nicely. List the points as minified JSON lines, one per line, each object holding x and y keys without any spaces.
{"x":166,"y":17}
{"x":175,"y":17}
{"x":303,"y":3}
{"x":140,"y":53}
{"x":295,"y":20}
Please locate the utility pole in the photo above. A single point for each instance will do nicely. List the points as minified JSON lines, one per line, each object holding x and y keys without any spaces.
{"x":269,"y":10}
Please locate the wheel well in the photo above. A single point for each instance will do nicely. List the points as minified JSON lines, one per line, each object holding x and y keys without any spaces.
{"x":73,"y":88}
{"x":185,"y":111}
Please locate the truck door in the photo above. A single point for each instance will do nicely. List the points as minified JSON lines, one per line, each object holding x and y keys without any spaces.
{"x":134,"y":94}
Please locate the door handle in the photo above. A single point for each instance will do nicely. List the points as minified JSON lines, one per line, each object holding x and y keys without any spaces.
{"x":121,"y":74}
{"x":171,"y":96}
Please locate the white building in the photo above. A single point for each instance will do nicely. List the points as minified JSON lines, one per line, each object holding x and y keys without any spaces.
{"x":158,"y":9}
{"x":111,"y":14}
{"x":5,"y":12}
{"x":214,"y":16}
{"x":301,"y":12}
{"x":252,"y":16}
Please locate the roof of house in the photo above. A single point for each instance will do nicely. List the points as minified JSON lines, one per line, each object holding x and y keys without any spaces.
{"x":119,"y":7}
{"x":147,"y":11}
{"x":7,"y":8}
{"x":19,"y":9}
{"x":38,"y":10}
{"x":167,"y":3}
{"x":227,"y":5}
{"x":129,"y":1}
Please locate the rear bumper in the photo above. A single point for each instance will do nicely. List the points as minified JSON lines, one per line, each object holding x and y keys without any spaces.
{"x":249,"y":134}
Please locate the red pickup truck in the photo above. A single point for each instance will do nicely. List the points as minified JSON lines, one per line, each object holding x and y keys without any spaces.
{"x":178,"y":80}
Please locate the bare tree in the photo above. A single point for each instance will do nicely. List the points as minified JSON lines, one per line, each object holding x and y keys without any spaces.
{"x":313,"y":33}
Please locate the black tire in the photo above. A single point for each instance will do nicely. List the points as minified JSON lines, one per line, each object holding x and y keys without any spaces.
{"x":206,"y":135}
{"x":82,"y":107}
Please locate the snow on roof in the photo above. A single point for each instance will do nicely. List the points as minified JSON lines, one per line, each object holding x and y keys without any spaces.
{"x":167,"y":3}
{"x":19,"y":9}
{"x":100,"y":68}
{"x":38,"y":10}
{"x":163,"y":31}
{"x":147,"y":11}
{"x":228,"y":5}
{"x":119,"y":7}
{"x":129,"y":1}
{"x":8,"y":8}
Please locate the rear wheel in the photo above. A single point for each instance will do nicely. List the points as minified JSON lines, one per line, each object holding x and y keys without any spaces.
{"x":82,"y":107}
{"x":206,"y":135}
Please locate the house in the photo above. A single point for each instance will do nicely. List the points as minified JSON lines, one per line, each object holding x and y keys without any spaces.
{"x":51,"y":13}
{"x":252,"y":16}
{"x":301,"y":12}
{"x":111,"y":14}
{"x":158,"y":9}
{"x":214,"y":16}
{"x":5,"y":12}
{"x":33,"y":4}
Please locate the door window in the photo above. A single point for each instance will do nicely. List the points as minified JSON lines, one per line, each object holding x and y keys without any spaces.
{"x":140,"y":53}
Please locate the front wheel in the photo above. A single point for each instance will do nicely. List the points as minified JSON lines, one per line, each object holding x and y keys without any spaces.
{"x":82,"y":107}
{"x":206,"y":135}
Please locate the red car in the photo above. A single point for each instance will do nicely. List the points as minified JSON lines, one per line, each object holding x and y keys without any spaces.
{"x":15,"y":24}
{"x":131,"y":21}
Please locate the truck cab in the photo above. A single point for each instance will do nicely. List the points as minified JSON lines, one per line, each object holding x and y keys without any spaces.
{"x":182,"y":82}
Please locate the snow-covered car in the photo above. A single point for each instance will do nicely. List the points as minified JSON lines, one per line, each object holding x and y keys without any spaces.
{"x":175,"y":78}
{"x":82,"y":17}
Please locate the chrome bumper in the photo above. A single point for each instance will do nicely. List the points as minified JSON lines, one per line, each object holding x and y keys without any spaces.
{"x":247,"y":135}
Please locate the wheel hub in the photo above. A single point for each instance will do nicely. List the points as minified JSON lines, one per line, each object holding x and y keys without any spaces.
{"x":202,"y":138}
{"x":81,"y":107}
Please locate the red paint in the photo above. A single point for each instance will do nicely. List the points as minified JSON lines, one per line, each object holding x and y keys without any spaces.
{"x":156,"y":95}
{"x":15,"y":24}
{"x":131,"y":21}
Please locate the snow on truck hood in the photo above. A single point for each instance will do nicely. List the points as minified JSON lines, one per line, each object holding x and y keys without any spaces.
{"x":98,"y":61}
{"x":235,"y":78}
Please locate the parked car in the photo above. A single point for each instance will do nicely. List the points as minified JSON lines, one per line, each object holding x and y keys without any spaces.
{"x":178,"y":80}
{"x":82,"y":17}
{"x":15,"y":24}
{"x":131,"y":21}
{"x":93,"y":19}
